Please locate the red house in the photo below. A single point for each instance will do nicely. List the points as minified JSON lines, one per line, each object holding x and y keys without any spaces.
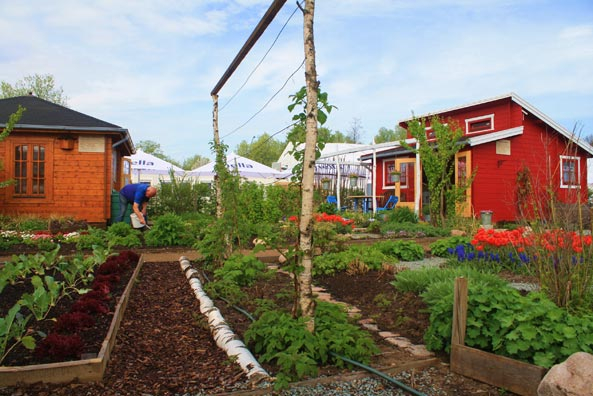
{"x":518,"y":153}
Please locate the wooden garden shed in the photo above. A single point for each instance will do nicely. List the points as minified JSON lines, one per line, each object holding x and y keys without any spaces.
{"x":63,"y":163}
{"x":518,"y":153}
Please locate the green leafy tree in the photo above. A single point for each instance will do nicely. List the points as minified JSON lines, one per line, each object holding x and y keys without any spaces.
{"x":194,"y":162}
{"x":325,"y":135}
{"x":12,"y":120}
{"x":438,"y":164}
{"x":385,"y":135}
{"x":264,"y":149}
{"x":42,"y":86}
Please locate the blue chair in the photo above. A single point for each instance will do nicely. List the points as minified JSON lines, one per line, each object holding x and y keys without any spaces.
{"x":390,"y":204}
{"x":332,"y":199}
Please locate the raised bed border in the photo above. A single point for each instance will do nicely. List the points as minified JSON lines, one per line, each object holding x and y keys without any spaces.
{"x":84,"y":370}
{"x":510,"y":374}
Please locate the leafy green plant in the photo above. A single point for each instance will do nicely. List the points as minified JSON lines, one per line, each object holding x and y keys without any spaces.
{"x":445,"y":247}
{"x":240,"y":269}
{"x":169,"y":230}
{"x":499,"y":319}
{"x":402,"y":250}
{"x":28,"y":223}
{"x":277,"y":337}
{"x":225,"y":289}
{"x":14,"y":327}
{"x":92,"y":237}
{"x":121,"y":234}
{"x":409,"y":230}
{"x":402,"y":214}
{"x":326,"y":207}
{"x":353,"y":257}
{"x":41,"y":300}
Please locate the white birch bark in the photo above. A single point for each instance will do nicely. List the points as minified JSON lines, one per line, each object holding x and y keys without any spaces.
{"x":306,"y":300}
{"x":224,"y":337}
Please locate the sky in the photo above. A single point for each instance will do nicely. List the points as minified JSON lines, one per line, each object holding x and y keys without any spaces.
{"x":150,"y":65}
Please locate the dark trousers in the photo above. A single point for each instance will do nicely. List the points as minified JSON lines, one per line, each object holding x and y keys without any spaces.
{"x":123,"y":207}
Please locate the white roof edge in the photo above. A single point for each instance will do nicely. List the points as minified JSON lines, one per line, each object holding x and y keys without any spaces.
{"x":523,"y":103}
{"x":368,"y":148}
{"x":569,"y":135}
{"x":459,"y":107}
{"x":491,"y":137}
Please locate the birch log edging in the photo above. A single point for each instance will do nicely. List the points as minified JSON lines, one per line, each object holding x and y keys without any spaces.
{"x":224,"y":337}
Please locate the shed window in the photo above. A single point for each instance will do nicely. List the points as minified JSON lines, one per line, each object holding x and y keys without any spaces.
{"x":570,"y":167}
{"x":29,"y":170}
{"x":480,"y":124}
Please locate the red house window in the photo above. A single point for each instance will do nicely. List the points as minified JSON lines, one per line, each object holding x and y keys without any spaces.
{"x":480,"y":124}
{"x":570,"y":168}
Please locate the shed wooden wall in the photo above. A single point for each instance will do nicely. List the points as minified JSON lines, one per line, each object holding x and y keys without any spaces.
{"x":80,"y":186}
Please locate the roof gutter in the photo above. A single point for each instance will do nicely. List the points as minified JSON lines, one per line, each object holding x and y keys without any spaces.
{"x":126,"y":138}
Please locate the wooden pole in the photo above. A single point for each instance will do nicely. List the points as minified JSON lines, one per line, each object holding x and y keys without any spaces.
{"x":459,"y":312}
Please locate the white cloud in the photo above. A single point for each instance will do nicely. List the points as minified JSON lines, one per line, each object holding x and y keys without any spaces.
{"x":149,"y":65}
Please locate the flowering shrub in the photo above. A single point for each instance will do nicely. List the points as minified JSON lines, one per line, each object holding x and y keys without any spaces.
{"x":560,"y":259}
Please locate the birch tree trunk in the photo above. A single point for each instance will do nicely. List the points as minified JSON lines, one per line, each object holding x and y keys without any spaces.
{"x":306,"y":301}
{"x":217,"y":145}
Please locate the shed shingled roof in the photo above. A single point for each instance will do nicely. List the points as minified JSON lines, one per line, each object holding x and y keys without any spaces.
{"x":41,"y":112}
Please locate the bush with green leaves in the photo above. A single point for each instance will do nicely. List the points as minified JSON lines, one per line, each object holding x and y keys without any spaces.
{"x":400,"y":249}
{"x":241,"y":269}
{"x":183,"y":196}
{"x":355,"y":257}
{"x":446,"y":247}
{"x":499,"y":320}
{"x":169,"y":230}
{"x":402,"y":214}
{"x":225,"y":289}
{"x":326,"y":207}
{"x":92,"y":237}
{"x":278,"y":338}
{"x":121,"y":234}
{"x":410,"y":230}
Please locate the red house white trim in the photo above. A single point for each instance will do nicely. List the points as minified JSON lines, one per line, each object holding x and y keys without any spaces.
{"x":506,"y":137}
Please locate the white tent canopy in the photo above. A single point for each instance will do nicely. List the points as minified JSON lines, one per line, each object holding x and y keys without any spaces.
{"x":147,"y":168}
{"x":248,"y":169}
{"x":148,"y":163}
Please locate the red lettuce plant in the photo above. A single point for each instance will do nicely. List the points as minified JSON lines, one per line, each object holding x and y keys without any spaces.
{"x":73,"y":322}
{"x":59,"y":347}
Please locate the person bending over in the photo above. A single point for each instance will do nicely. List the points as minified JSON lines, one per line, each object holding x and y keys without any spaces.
{"x":138,"y":196}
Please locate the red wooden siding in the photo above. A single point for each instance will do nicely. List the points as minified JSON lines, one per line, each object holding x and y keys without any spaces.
{"x":538,"y":148}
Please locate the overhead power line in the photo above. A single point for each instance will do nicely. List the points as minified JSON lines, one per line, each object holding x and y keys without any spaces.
{"x":260,"y":62}
{"x":255,"y":35}
{"x":267,"y":103}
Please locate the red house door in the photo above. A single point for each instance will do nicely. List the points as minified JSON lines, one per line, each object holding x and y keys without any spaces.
{"x":406,"y":188}
{"x":463,"y":165}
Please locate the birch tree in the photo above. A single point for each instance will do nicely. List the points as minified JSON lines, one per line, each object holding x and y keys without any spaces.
{"x":307,"y":303}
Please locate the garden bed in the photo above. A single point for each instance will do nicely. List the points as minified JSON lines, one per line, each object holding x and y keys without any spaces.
{"x":164,"y":347}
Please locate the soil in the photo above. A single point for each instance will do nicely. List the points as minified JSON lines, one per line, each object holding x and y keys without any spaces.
{"x":164,"y":346}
